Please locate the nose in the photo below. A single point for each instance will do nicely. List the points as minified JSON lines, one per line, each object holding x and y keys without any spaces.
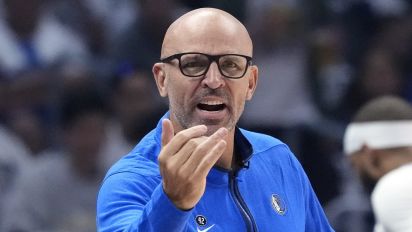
{"x":213,"y":79}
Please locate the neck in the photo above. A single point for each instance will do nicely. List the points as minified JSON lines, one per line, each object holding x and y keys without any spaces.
{"x":227,"y":159}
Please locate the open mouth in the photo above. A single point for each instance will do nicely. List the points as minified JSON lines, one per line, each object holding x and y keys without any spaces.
{"x":211,"y":106}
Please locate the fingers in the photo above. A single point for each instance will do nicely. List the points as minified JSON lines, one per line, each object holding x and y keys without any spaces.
{"x":172,"y":146}
{"x":207,"y":153}
{"x":167,"y":131}
{"x":211,"y":158}
{"x":185,"y":161}
{"x":186,"y":151}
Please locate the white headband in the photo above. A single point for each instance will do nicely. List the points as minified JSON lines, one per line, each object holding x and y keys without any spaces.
{"x":377,"y":135}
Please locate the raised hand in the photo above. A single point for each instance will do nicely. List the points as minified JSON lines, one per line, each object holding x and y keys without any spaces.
{"x":185,"y":160}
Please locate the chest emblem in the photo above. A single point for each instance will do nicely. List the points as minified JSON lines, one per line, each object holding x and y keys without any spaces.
{"x":278,"y":204}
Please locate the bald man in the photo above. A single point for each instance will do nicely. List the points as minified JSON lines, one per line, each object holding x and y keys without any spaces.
{"x":197,"y":171}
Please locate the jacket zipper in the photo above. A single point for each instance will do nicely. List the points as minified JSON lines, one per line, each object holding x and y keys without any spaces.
{"x":247,"y":216}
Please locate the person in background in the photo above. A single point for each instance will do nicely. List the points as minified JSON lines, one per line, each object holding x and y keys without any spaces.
{"x":58,"y":191}
{"x":135,"y":106}
{"x":197,"y":171}
{"x":33,"y":40}
{"x":378,"y":143}
{"x":35,"y":49}
{"x":144,"y":35}
{"x":14,"y":155}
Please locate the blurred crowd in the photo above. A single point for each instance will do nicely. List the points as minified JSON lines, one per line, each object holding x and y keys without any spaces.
{"x":77,"y":93}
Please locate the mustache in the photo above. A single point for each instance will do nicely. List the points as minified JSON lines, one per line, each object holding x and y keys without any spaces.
{"x":220,"y":93}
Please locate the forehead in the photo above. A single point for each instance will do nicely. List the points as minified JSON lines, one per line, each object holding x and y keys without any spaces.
{"x":211,"y":34}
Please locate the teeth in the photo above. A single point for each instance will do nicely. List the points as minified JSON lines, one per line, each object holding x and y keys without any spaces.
{"x":211,"y":102}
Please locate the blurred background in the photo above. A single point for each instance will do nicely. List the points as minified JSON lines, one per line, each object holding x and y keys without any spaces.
{"x":77,"y":93}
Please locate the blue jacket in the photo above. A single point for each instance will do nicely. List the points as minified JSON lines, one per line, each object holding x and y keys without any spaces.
{"x":271,"y":192}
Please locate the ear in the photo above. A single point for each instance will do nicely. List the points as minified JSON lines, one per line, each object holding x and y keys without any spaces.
{"x":253,"y":78}
{"x":160,"y":78}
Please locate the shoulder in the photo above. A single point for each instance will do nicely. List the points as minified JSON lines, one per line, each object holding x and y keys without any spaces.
{"x":268,"y":150}
{"x":142,"y":160}
{"x":396,"y":178}
{"x":262,"y":143}
{"x":260,"y":139}
{"x":394,"y":190}
{"x":392,"y":199}
{"x":395,"y":182}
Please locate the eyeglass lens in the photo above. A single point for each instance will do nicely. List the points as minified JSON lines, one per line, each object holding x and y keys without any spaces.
{"x":197,"y":64}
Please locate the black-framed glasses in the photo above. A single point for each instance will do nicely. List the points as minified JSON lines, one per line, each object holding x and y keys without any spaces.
{"x":195,"y":64}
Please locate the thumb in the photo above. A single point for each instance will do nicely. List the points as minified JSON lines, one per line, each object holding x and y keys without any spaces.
{"x":167,"y":131}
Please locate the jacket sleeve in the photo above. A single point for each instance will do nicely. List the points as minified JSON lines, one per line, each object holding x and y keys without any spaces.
{"x":133,"y":202}
{"x":315,"y":217}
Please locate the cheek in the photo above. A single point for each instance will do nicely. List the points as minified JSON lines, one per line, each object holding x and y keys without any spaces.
{"x":173,"y":91}
{"x":241,"y":93}
{"x":238,"y":99}
{"x":177,"y":95}
{"x":179,"y":91}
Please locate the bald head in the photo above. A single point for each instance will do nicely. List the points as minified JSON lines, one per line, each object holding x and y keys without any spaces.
{"x":207,"y":30}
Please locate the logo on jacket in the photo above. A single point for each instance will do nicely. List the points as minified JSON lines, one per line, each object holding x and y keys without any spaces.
{"x":278,"y":204}
{"x":205,"y":230}
{"x":201,"y":221}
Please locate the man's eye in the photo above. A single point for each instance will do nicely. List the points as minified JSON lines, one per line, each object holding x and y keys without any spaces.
{"x":229,"y":64}
{"x":193,"y":64}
